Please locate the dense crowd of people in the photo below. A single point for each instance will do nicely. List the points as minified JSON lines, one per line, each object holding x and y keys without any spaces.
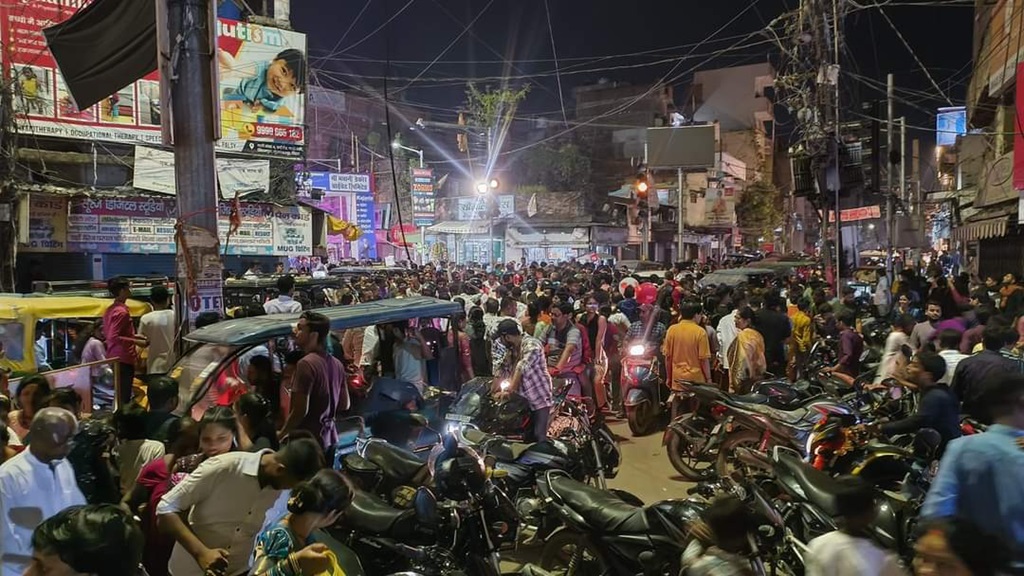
{"x":240,"y":485}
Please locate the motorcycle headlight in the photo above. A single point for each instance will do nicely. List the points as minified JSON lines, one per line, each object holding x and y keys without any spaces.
{"x":637,"y":350}
{"x":640,"y":372}
{"x":505,"y":384}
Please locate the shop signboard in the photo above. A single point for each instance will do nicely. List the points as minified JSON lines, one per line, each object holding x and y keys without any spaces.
{"x":254,"y":119}
{"x":475,"y":208}
{"x":154,"y":171}
{"x":335,"y":182}
{"x":857,"y":214}
{"x":145,"y":225}
{"x":255,"y":234}
{"x":47,"y":224}
{"x":131,"y":225}
{"x":423,"y":201}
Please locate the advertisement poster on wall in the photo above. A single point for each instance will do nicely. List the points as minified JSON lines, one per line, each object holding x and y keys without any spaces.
{"x":720,"y":207}
{"x":423,"y":201}
{"x":42,"y":102}
{"x":47,"y":224}
{"x":293,"y":231}
{"x":262,"y":81}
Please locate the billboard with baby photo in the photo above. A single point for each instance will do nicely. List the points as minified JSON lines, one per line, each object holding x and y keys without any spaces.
{"x":262,"y":89}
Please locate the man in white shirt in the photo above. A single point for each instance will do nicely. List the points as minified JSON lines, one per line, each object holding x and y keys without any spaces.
{"x":215,"y":513}
{"x":284,"y":303}
{"x":411,"y":352}
{"x":158,"y":328}
{"x":883,"y":296}
{"x":34,"y":485}
{"x":850,"y":550}
{"x":727,"y":330}
{"x":949,"y":350}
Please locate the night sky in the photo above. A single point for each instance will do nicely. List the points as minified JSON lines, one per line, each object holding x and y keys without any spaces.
{"x":510,"y":38}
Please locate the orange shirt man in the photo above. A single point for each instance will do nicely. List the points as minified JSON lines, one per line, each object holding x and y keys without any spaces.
{"x":686,"y":349}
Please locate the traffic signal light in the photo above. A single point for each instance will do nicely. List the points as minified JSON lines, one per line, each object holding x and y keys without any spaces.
{"x":642,"y":185}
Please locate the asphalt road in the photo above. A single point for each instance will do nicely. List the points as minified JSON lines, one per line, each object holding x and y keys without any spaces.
{"x":645,"y":470}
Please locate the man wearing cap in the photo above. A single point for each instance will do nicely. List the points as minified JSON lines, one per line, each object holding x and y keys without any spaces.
{"x":529,"y":374}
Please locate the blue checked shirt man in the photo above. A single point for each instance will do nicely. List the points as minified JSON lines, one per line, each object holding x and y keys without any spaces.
{"x":529,"y":374}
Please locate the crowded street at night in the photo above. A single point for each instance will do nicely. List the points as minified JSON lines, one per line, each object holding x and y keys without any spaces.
{"x":531,"y":288}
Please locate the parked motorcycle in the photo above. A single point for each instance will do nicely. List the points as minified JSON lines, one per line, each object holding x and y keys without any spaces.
{"x":807,"y":499}
{"x":510,"y":417}
{"x":693,"y":439}
{"x":397,"y":412}
{"x":838,"y":447}
{"x":763,"y":427}
{"x":602,"y":534}
{"x":645,"y":395}
{"x":456,"y":529}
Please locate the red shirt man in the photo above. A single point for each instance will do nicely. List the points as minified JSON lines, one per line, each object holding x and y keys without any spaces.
{"x":119,"y":333}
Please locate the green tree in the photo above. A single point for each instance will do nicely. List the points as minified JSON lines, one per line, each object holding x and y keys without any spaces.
{"x":558,"y":165}
{"x":489,"y":108}
{"x":760,"y":209}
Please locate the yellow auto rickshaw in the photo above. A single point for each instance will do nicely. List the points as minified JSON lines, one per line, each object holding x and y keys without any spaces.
{"x":31,"y":326}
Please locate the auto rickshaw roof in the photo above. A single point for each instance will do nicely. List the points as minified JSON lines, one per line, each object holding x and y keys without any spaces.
{"x":246,"y":331}
{"x":62,"y":307}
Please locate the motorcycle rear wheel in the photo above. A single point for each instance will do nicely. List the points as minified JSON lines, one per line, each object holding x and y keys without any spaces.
{"x":679,"y":450}
{"x":641,"y":418}
{"x":726,"y":463}
{"x":559,"y":550}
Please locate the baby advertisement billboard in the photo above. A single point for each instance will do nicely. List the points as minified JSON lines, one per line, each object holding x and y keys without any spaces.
{"x":262,"y":89}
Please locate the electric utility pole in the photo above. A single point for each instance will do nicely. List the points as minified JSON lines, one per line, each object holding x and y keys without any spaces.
{"x":187,"y":74}
{"x":890,"y":209}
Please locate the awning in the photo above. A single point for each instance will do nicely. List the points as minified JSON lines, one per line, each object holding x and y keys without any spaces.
{"x":993,"y":228}
{"x":457,"y":227}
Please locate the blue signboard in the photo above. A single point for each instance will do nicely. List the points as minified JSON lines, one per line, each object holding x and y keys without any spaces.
{"x":950,"y":123}
{"x":365,"y":209}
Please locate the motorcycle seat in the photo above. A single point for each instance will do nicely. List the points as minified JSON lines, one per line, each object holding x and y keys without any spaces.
{"x":875,"y":447}
{"x":501,"y":449}
{"x":791,"y":417}
{"x":818,"y":486}
{"x":398,"y":464}
{"x":601,"y":509}
{"x":751,"y":399}
{"x":372,"y":515}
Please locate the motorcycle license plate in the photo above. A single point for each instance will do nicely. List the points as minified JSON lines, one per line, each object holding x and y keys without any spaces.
{"x":459,"y":418}
{"x":715,"y":430}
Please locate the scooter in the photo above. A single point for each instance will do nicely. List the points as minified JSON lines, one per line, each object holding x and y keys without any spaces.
{"x":645,"y":396}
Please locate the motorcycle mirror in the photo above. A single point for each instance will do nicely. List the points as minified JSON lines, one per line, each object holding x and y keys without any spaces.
{"x":425,"y":504}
